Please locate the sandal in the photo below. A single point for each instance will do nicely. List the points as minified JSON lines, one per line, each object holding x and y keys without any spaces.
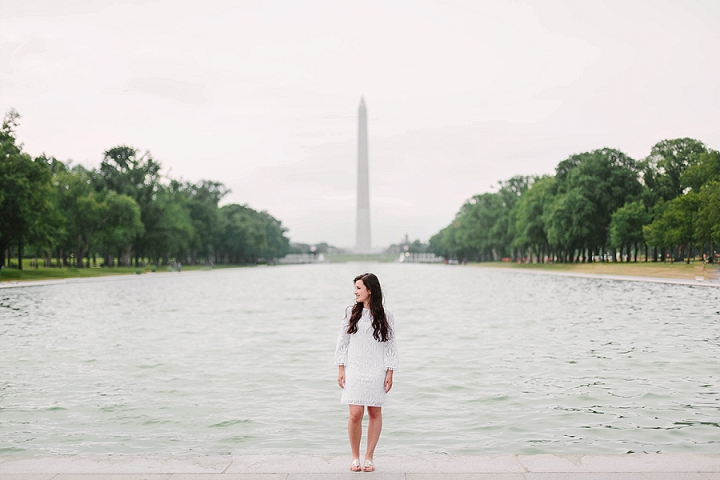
{"x":369,"y":466}
{"x":355,"y":465}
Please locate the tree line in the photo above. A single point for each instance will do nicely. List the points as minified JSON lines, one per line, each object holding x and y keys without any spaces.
{"x":123,"y":212}
{"x":599,"y":205}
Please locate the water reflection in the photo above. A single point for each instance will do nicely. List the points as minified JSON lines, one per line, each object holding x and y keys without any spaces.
{"x":240,"y":361}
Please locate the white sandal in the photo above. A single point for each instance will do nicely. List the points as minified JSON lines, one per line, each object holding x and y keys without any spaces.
{"x":369,"y":466}
{"x":355,"y":465}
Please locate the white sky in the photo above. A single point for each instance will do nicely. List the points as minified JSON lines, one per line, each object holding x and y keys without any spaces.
{"x":263,"y":96}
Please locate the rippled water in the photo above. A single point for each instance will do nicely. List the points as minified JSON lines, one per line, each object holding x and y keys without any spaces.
{"x":240,"y":361}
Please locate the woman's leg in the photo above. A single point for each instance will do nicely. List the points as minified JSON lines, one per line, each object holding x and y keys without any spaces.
{"x":355,"y":428}
{"x":374,"y":428}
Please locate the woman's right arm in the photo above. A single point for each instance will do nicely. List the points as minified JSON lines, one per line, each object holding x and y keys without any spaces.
{"x":341,"y":376}
{"x":343,"y":341}
{"x":341,"y":349}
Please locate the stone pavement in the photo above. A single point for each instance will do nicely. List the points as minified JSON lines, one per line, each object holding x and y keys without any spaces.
{"x":640,"y":466}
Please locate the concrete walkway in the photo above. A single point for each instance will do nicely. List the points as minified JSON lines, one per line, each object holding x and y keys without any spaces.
{"x":433,"y":467}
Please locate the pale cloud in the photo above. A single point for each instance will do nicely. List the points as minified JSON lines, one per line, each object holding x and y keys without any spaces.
{"x":263,"y":95}
{"x":179,"y":90}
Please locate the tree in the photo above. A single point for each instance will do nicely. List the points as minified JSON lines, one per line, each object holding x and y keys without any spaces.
{"x":676,"y":224}
{"x":443,"y":243}
{"x":123,"y":208}
{"x":654,"y":232}
{"x":247,"y":235}
{"x":607,"y":179}
{"x":663,"y":168}
{"x":53,"y":228}
{"x":126,"y":172}
{"x":707,"y":229}
{"x":569,"y":221}
{"x":476,"y":220}
{"x":626,"y":226}
{"x":120,"y":222}
{"x":27,"y":215}
{"x":173,"y":230}
{"x":702,"y":172}
{"x":503,"y":231}
{"x":277,"y":245}
{"x":94,"y":219}
{"x":529,"y":227}
{"x":73,"y":184}
{"x":202,"y":201}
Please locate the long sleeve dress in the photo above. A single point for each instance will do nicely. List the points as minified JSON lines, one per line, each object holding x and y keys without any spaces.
{"x":366,"y":360}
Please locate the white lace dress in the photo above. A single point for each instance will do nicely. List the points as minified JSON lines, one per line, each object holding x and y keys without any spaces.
{"x":366,"y":360}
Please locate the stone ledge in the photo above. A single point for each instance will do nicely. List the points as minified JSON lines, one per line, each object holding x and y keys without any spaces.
{"x":289,"y":467}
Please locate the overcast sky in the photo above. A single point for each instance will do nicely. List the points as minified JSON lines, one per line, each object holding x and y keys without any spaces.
{"x":263,"y":96}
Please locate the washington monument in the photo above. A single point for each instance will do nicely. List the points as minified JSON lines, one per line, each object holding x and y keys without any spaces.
{"x":363,"y":243}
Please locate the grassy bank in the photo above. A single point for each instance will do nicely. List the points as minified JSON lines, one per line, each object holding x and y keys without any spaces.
{"x":13,"y":274}
{"x":640,"y":269}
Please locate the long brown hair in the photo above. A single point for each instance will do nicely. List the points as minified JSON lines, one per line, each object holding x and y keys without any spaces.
{"x":381,"y":329}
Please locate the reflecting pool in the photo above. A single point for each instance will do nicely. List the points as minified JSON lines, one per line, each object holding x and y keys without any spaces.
{"x":241,"y":361}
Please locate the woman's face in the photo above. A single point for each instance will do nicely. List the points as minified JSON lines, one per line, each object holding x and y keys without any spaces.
{"x":362,"y":294}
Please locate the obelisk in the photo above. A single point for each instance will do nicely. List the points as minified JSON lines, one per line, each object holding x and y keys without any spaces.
{"x":363,"y":244}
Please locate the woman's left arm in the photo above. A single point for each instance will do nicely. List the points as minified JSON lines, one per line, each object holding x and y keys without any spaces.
{"x":391,"y":356}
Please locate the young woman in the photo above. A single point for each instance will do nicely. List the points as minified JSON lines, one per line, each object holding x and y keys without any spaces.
{"x":366,"y":355}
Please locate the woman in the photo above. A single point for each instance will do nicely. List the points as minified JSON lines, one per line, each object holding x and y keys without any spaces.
{"x":366,"y":356}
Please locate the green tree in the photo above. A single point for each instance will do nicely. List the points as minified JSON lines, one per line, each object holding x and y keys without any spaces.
{"x":676,"y":225}
{"x":654,"y":233}
{"x":443,"y":243}
{"x":529,"y":227}
{"x":247,"y":235}
{"x":120,"y":222}
{"x":277,"y":245}
{"x":124,"y":171}
{"x":173,"y":231}
{"x":569,"y":221}
{"x":663,"y":168}
{"x":702,"y":172}
{"x":707,"y":229}
{"x":626,"y":226}
{"x":476,"y":221}
{"x":27,"y":215}
{"x":94,"y":219}
{"x":202,"y":201}
{"x":503,"y":230}
{"x":73,"y":184}
{"x":607,"y":179}
{"x":54,"y":226}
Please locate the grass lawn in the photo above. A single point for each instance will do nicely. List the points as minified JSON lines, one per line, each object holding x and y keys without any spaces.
{"x":640,"y":269}
{"x":13,"y":274}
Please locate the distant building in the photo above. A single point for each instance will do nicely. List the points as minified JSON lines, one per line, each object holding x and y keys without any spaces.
{"x":363,"y":243}
{"x":406,"y":246}
{"x":306,"y":248}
